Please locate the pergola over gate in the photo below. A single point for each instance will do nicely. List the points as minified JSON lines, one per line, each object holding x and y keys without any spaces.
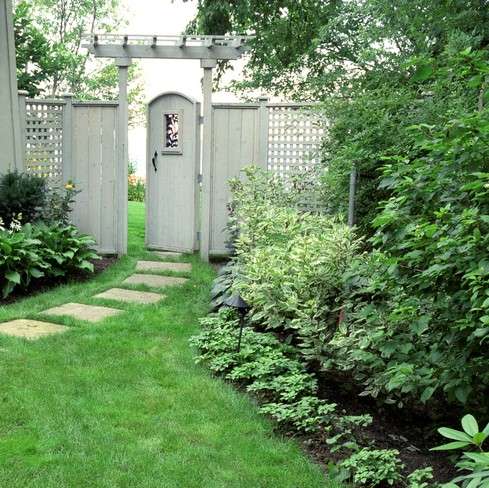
{"x":207,"y":49}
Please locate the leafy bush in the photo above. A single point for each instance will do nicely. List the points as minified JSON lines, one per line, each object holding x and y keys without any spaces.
{"x":136,"y":188}
{"x":372,"y":467}
{"x":21,"y":194}
{"x":420,"y":478}
{"x":419,"y":305}
{"x":291,"y":262}
{"x":477,"y":463}
{"x":59,"y":204}
{"x":40,"y":251}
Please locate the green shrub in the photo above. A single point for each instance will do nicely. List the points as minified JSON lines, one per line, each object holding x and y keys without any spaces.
{"x":39,"y":251}
{"x":291,"y":262}
{"x":136,"y":189}
{"x":419,"y":309}
{"x":21,"y":194}
{"x":373,"y":467}
{"x":59,"y":204}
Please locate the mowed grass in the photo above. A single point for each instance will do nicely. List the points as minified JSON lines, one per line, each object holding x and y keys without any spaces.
{"x":121,"y":403}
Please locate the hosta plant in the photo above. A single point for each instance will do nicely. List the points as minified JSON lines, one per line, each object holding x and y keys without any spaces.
{"x":39,"y":251}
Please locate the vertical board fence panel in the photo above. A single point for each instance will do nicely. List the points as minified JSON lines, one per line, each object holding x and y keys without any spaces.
{"x":94,"y":171}
{"x":68,"y":140}
{"x":281,"y":137}
{"x":235,"y":144}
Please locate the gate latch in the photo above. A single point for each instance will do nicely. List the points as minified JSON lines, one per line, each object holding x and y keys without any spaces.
{"x":153,"y":160}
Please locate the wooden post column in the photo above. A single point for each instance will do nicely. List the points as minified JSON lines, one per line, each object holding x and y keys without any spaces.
{"x":122,"y":156}
{"x":10,"y":137}
{"x":207,"y":65}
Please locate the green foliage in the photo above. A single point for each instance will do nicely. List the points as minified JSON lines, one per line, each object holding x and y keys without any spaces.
{"x":477,"y":463}
{"x":59,"y":204}
{"x":376,"y":66}
{"x":39,"y":251}
{"x":420,"y":478}
{"x":136,"y":188}
{"x":21,"y":194}
{"x":48,"y":36}
{"x":222,"y":285}
{"x":422,"y":295}
{"x":291,"y":262}
{"x":373,"y":467}
{"x":37,"y":58}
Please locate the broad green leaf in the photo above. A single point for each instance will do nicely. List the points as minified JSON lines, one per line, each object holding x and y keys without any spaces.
{"x":13,"y":276}
{"x":479,"y":438}
{"x":450,"y":445}
{"x":479,"y":457}
{"x":454,"y":434}
{"x":36,"y":273}
{"x":469,"y":424}
{"x":427,"y":393}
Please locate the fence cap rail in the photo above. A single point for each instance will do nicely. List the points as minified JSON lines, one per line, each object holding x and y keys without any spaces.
{"x":63,"y":101}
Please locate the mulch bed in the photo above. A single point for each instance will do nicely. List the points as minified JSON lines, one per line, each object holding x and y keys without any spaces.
{"x":42,"y":285}
{"x":410,"y":432}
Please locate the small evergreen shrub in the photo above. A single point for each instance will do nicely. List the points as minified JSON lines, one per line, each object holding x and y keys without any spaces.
{"x":21,"y":195}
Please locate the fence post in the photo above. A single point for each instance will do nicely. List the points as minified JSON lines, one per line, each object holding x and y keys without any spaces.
{"x":207,"y":65}
{"x":122,"y":155}
{"x":351,"y":198}
{"x":67,"y":138}
{"x":263,"y":133}
{"x":23,"y":128}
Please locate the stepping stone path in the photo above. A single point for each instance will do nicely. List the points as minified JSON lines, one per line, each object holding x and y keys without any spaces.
{"x":79,"y":311}
{"x":157,"y":281}
{"x":167,"y":254}
{"x":30,"y":329}
{"x":162,"y":266}
{"x":33,"y":329}
{"x":131,"y":296}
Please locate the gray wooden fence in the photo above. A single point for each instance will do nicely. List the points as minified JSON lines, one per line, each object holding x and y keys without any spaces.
{"x":67,"y":140}
{"x":281,"y":137}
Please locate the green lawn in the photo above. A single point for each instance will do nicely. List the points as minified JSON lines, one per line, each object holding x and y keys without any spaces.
{"x":122,"y":404}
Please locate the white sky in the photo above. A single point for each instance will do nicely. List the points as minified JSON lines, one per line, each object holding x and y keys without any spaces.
{"x":159,"y":75}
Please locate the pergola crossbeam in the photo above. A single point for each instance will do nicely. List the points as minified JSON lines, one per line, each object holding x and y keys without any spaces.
{"x":166,"y":47}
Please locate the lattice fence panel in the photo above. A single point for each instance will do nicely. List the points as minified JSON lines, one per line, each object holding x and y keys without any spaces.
{"x":294,"y":139}
{"x":295,"y":134}
{"x":44,"y":140}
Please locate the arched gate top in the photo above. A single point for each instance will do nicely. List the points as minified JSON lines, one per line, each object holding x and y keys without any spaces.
{"x":172,"y":93}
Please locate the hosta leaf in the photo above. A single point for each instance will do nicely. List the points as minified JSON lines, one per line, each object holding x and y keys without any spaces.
{"x":36,"y":273}
{"x":13,"y":276}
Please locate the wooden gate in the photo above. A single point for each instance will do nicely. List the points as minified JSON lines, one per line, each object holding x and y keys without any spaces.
{"x":172,"y":169}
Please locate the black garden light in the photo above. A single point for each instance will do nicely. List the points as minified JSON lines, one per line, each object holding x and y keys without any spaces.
{"x":236,"y":302}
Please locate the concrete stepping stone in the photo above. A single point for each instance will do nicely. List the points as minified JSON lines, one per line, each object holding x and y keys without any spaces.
{"x":161,"y":266}
{"x":157,"y":281}
{"x":79,"y":311}
{"x":167,"y":254}
{"x":131,"y":296}
{"x":30,"y":329}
